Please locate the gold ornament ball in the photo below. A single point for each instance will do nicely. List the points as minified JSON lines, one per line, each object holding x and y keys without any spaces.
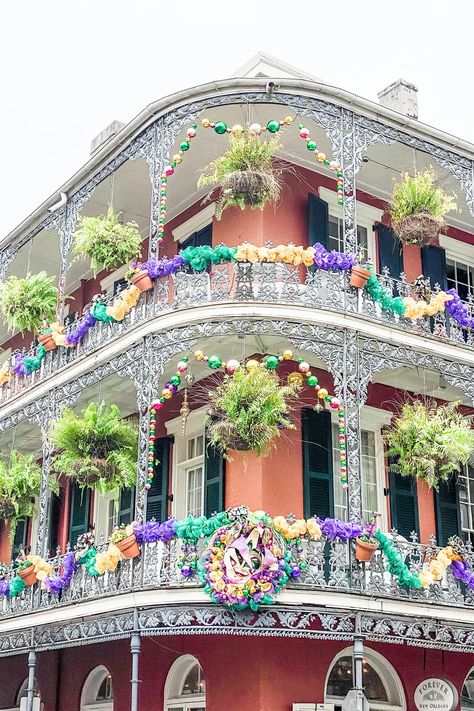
{"x":288,"y":120}
{"x":177,"y":158}
{"x":322,"y":393}
{"x":237,"y":129}
{"x":199,"y":355}
{"x":251,"y":364}
{"x":287,"y":355}
{"x":295,"y":378}
{"x":206,"y":123}
{"x":167,"y":394}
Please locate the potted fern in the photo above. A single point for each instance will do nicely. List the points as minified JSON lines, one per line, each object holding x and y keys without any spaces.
{"x":20,"y":481}
{"x":28,"y":302}
{"x":430,"y":441}
{"x":106,"y":241}
{"x":246,"y":174}
{"x":96,"y":448}
{"x":248,"y":411}
{"x":418,"y":208}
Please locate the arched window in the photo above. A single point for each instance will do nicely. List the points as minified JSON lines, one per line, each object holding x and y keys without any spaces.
{"x":467,"y":694}
{"x":98,"y":692}
{"x":185,"y":688}
{"x":382,"y":687}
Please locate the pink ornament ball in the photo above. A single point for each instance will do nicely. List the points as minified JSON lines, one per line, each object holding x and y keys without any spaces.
{"x":303,"y":367}
{"x":169,"y":170}
{"x":335,"y":403}
{"x":304,"y":133}
{"x":182,"y":367}
{"x":191,"y":132}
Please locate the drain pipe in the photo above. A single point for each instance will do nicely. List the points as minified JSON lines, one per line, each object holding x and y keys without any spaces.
{"x":135,"y":646}
{"x":31,"y":679}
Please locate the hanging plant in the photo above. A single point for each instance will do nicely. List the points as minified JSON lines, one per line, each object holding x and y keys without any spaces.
{"x":26,"y":303}
{"x":96,"y":448}
{"x":246,"y":174}
{"x":20,"y":481}
{"x":430,"y":441}
{"x":418,"y":208}
{"x":106,"y":242}
{"x":249,"y":410}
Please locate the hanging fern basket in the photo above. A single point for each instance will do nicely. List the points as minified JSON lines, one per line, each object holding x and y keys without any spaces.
{"x":421,"y":228}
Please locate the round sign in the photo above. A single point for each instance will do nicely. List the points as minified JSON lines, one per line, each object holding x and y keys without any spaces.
{"x":435,"y":695}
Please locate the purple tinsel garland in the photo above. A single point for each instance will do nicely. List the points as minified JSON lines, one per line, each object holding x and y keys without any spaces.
{"x":458,"y":310}
{"x":4,"y":588}
{"x":85,"y":323}
{"x":338,"y":261}
{"x":56,"y":583}
{"x":460,"y":571}
{"x":158,"y":268}
{"x":344,"y":530}
{"x":152,"y":531}
{"x":19,"y":364}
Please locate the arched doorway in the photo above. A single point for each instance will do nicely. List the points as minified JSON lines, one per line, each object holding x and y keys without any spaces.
{"x":467,"y":693}
{"x":383,"y":688}
{"x":98,"y":692}
{"x":185,"y":688}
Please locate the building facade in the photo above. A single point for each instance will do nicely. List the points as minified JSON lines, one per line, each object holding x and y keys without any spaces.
{"x":145,"y":636}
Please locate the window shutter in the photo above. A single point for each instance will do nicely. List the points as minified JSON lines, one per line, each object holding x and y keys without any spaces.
{"x":318,"y":220}
{"x":213,"y":481}
{"x":403,"y":503}
{"x":318,"y":484}
{"x":126,"y":506}
{"x":19,"y":539}
{"x":79,"y":516}
{"x":201,"y":238}
{"x":120,"y":285}
{"x":54,"y":513}
{"x":390,"y":251}
{"x":433,"y":260}
{"x":157,"y":498}
{"x":447,"y":511}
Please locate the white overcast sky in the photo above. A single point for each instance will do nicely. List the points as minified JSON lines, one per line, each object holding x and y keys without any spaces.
{"x":69,"y":67}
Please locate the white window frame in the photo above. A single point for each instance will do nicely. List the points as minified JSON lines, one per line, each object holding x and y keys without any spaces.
{"x":194,"y":428}
{"x":101,"y":512}
{"x":195,"y":223}
{"x":175,"y":679}
{"x":367,"y":216}
{"x":458,"y":251}
{"x":91,"y":688}
{"x":373,"y":419}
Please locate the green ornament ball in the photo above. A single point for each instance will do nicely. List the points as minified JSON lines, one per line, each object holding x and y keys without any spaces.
{"x":273,"y":126}
{"x":175,"y":380}
{"x":214,"y":362}
{"x":312,"y":380}
{"x":271,"y":362}
{"x":311,"y":145}
{"x":220,"y":127}
{"x":184,"y":146}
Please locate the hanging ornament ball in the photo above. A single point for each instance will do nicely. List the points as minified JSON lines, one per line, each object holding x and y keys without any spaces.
{"x":321,"y":157}
{"x":303,"y":366}
{"x":214,"y":362}
{"x":256,"y":129}
{"x":232,"y":366}
{"x":312,"y":380}
{"x":220,"y":127}
{"x":189,"y":378}
{"x":169,"y":170}
{"x":271,"y":362}
{"x":288,"y":120}
{"x":311,"y":145}
{"x":304,"y":132}
{"x":205,"y":123}
{"x":251,"y":364}
{"x":182,"y":366}
{"x":184,"y":146}
{"x":175,"y":380}
{"x":199,"y":355}
{"x":191,"y":132}
{"x":237,"y":129}
{"x":177,"y":159}
{"x":322,"y":393}
{"x":273,"y":126}
{"x":295,"y":379}
{"x":167,"y":394}
{"x":318,"y":407}
{"x":287,"y":354}
{"x":333,"y":165}
{"x":335,"y":402}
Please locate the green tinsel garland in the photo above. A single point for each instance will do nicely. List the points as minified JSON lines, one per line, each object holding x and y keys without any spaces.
{"x":395,"y":563}
{"x":98,"y":311}
{"x":16,"y":586}
{"x":32,"y":363}
{"x":199,"y":257}
{"x":88,"y":561}
{"x":380,"y":295}
{"x":192,"y":529}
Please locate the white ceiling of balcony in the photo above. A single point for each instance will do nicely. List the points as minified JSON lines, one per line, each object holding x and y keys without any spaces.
{"x":421,"y":381}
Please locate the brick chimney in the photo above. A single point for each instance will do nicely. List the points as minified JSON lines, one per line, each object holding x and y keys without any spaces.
{"x":105,"y":136}
{"x":400,"y":96}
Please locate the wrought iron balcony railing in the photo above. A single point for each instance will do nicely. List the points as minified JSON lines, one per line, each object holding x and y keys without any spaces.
{"x":245,"y":282}
{"x":332,"y":567}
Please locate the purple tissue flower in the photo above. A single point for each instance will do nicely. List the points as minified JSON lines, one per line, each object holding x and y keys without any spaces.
{"x":152,"y":531}
{"x":56,"y":583}
{"x":338,"y":261}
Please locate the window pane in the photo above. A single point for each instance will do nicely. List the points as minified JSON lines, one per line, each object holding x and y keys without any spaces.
{"x":194,"y":492}
{"x":340,"y":680}
{"x":191,"y":448}
{"x":199,"y":446}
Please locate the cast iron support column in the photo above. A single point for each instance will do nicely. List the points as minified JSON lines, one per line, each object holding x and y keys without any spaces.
{"x":31,"y":679}
{"x":135,"y":646}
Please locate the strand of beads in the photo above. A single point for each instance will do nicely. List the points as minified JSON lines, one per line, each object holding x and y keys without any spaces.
{"x":312,"y":146}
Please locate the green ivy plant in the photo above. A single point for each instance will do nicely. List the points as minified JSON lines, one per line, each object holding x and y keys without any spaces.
{"x":246,"y":174}
{"x":106,"y":242}
{"x":20,"y":481}
{"x":97,"y":448}
{"x":418,"y":207}
{"x":430,"y":441}
{"x":26,"y":303}
{"x":248,"y":410}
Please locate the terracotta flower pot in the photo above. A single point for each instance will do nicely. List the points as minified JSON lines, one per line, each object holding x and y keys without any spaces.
{"x":359,"y":276}
{"x":365,"y":551}
{"x":129,"y":546}
{"x":142,"y":281}
{"x":28,"y":575}
{"x":46,"y":340}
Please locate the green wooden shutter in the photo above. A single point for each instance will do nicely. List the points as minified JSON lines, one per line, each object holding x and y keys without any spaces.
{"x":433,"y":260}
{"x":318,"y":486}
{"x":390,"y":251}
{"x":447,"y":511}
{"x":403,"y":504}
{"x":213,"y":482}
{"x":80,"y":510}
{"x":19,"y":539}
{"x":126,"y":506}
{"x":157,"y":498}
{"x":54,"y":514}
{"x":318,"y":220}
